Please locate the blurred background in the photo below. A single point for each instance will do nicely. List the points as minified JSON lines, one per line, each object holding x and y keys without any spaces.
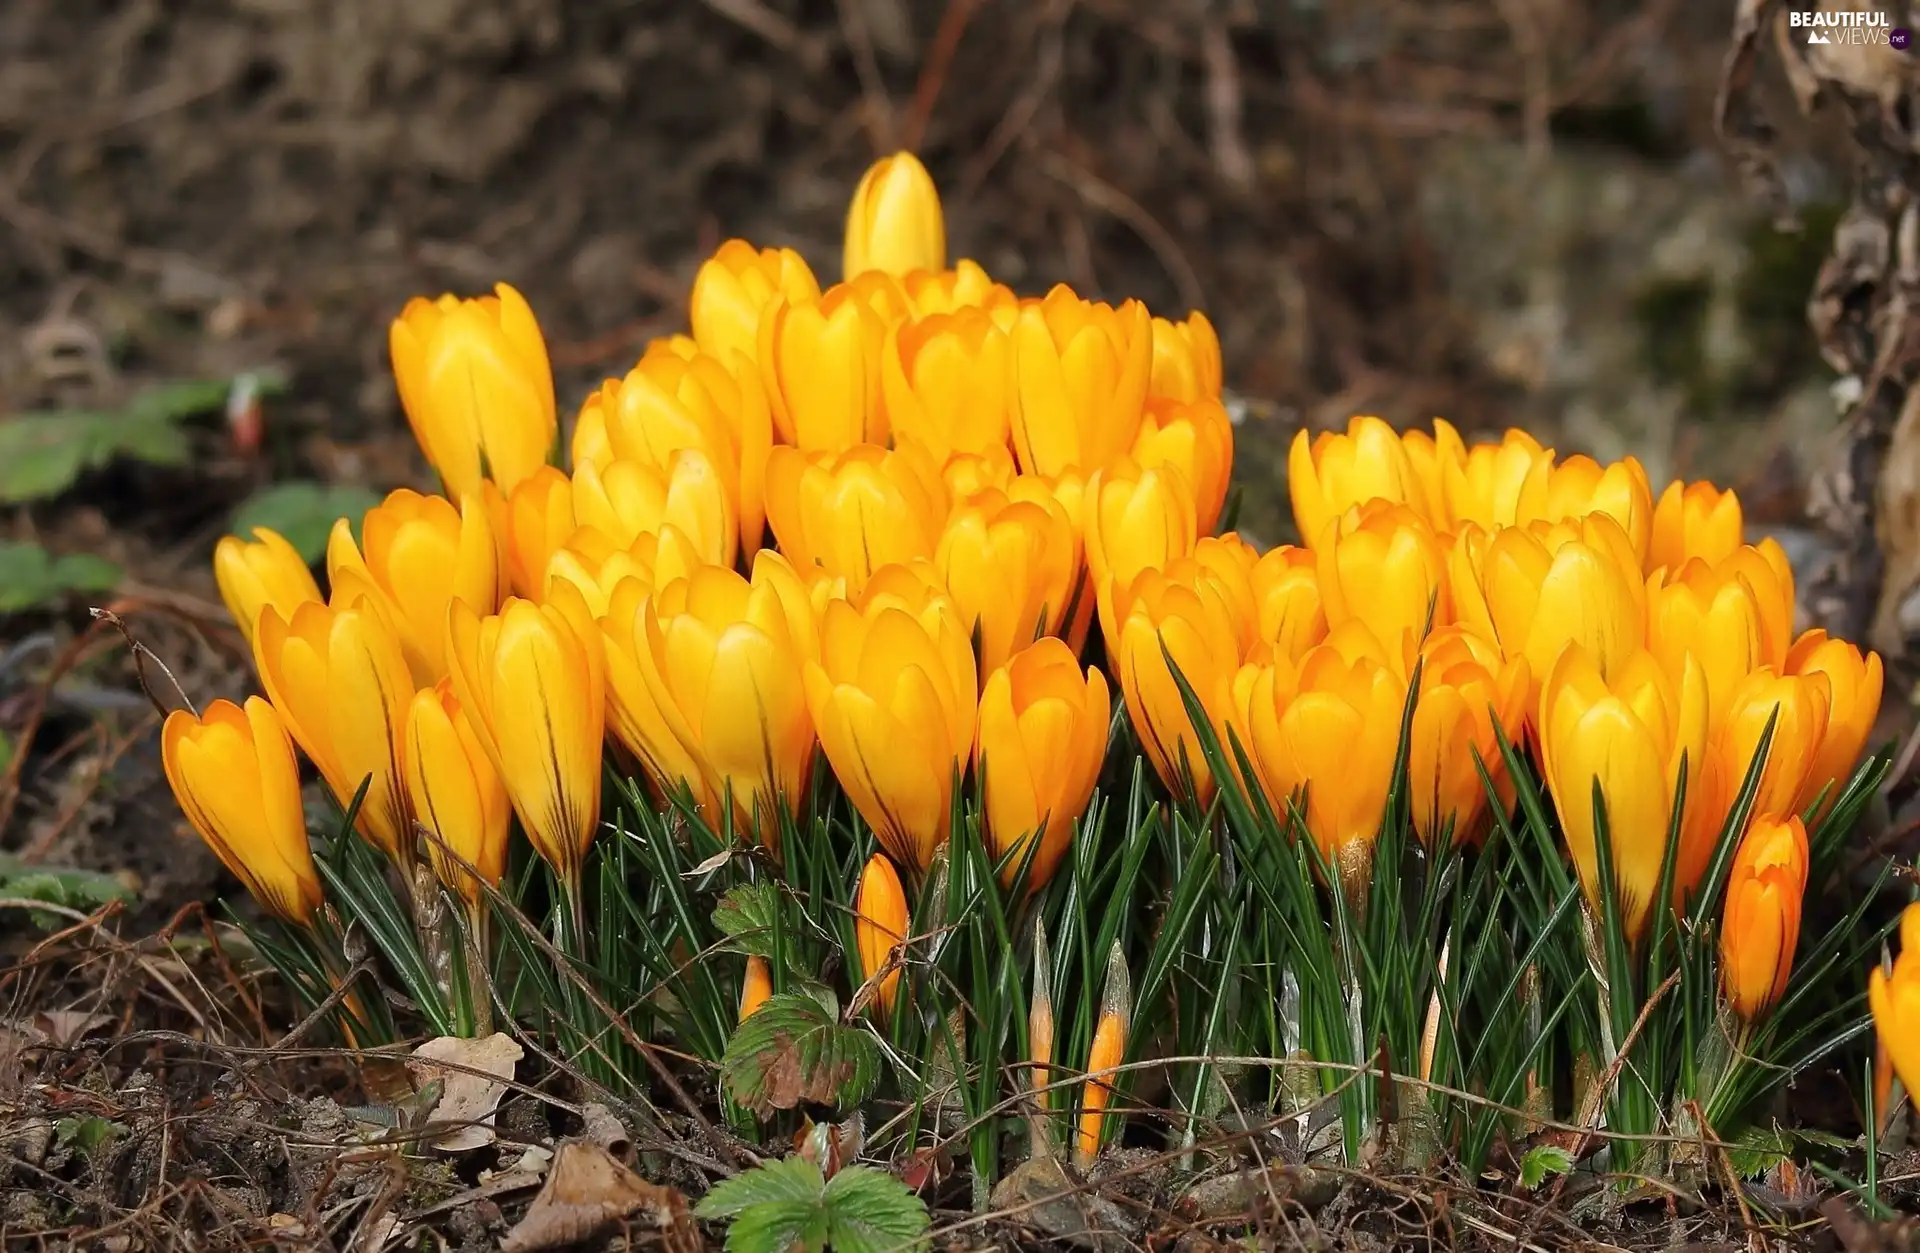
{"x":1506,"y":212}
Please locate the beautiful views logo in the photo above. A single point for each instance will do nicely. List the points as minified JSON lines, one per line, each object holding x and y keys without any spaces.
{"x":1848,"y":28}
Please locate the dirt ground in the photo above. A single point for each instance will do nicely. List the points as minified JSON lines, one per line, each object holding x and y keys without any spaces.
{"x":201,"y":188}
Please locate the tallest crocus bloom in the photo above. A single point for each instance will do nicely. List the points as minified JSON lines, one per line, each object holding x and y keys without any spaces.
{"x":894,"y":222}
{"x":475,"y":382}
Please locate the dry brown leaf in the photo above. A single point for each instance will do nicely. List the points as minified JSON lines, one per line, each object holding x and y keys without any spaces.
{"x":587,"y":1192}
{"x":64,"y":1028}
{"x":474,"y":1080}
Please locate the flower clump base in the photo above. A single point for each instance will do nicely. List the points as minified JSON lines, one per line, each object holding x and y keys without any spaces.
{"x":876,"y":704}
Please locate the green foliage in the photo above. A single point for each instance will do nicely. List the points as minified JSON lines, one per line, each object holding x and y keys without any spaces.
{"x":304,"y":513}
{"x":1541,"y":1161}
{"x":30,"y":576}
{"x":85,"y":1133}
{"x":42,"y":454}
{"x":67,"y":887}
{"x":789,"y":1205}
{"x":793,"y":1050}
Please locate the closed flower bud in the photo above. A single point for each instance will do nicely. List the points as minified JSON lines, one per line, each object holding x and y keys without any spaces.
{"x":1080,"y":381}
{"x":265,"y":572}
{"x":595,"y":565}
{"x":1710,"y":614}
{"x":1796,"y":705}
{"x":338,"y":676}
{"x":669,"y":402}
{"x":893,"y":698}
{"x":1761,"y":924}
{"x":1286,"y":593}
{"x":626,"y":499}
{"x":1536,"y":590}
{"x":1765,"y":568}
{"x":475,"y":383}
{"x":1496,"y":485}
{"x":1186,"y":360}
{"x":965,"y":286}
{"x":894,"y":223}
{"x":1195,"y":438}
{"x":755,"y":987}
{"x":457,"y":795}
{"x":1136,"y":519}
{"x":1200,"y":610}
{"x":1332,"y":727}
{"x":233,"y":772}
{"x":1010,"y":565}
{"x":1624,"y":731}
{"x":1694,"y":521}
{"x":1579,"y":487}
{"x":720,"y":660}
{"x":734,"y":288}
{"x":1042,"y":737}
{"x":848,"y":513}
{"x":967,"y":474}
{"x":1334,"y":471}
{"x":880,"y":927}
{"x":531,"y":680}
{"x":530,"y":525}
{"x":1435,"y":459}
{"x":1382,"y":565}
{"x":1894,"y":998}
{"x":1107,"y":1053}
{"x":1854,"y":682}
{"x":945,"y":381}
{"x":820,"y":365}
{"x":1468,"y":698}
{"x":419,"y":554}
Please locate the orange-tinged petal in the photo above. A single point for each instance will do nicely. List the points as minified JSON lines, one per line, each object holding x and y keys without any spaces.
{"x":733,"y":289}
{"x":1081,"y":371}
{"x":456,"y":793}
{"x":233,"y":772}
{"x":264,"y":572}
{"x":475,"y":383}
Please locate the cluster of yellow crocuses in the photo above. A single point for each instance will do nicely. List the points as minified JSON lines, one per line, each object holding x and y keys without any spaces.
{"x":876,"y":524}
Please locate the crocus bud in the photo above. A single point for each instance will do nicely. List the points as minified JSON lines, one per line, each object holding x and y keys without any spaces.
{"x":846,"y":514}
{"x":894,"y":697}
{"x":734,"y":288}
{"x":755,"y":987}
{"x":1761,"y":923}
{"x":338,"y":675}
{"x":1195,"y":438}
{"x":418,"y":554}
{"x":1624,"y":732}
{"x":233,"y":772}
{"x":475,"y":383}
{"x":457,"y":795}
{"x":945,"y":381}
{"x":532,"y":681}
{"x":1894,"y":998}
{"x":1694,"y":520}
{"x":1186,"y":360}
{"x":1108,"y":1053}
{"x":820,"y":362}
{"x":1336,"y":470}
{"x":880,"y":926}
{"x":1042,"y":737}
{"x":265,"y":572}
{"x":894,"y":223}
{"x":1080,"y":372}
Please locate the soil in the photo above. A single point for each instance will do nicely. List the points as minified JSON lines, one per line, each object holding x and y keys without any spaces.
{"x":202,"y":188}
